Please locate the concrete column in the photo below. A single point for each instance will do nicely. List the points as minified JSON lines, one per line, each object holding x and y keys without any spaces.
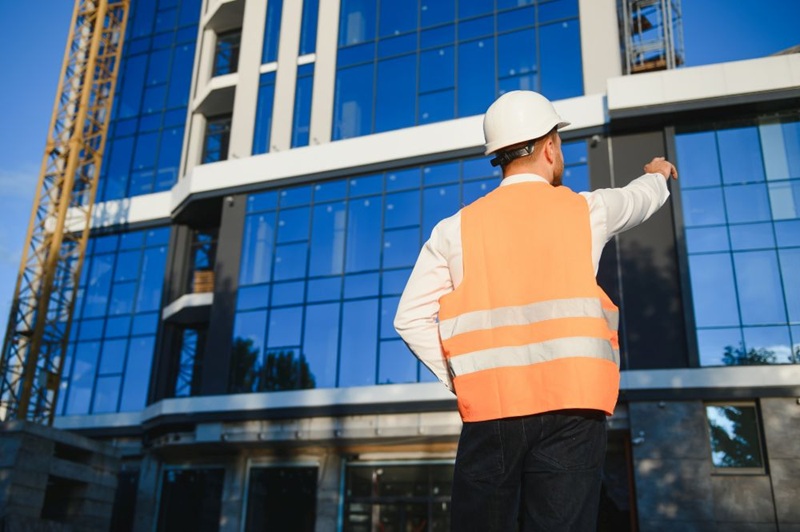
{"x":147,"y":495}
{"x":231,"y":514}
{"x":600,"y":44}
{"x":286,"y":77}
{"x":781,"y":422}
{"x":324,"y":72}
{"x":245,"y":105}
{"x":330,"y":470}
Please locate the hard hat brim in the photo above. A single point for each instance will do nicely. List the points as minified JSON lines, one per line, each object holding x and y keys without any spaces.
{"x":499,"y":145}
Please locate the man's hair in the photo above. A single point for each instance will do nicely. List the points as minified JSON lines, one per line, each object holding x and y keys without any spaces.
{"x":531,"y":148}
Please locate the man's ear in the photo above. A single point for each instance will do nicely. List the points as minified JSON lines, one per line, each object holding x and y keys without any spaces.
{"x":550,"y":149}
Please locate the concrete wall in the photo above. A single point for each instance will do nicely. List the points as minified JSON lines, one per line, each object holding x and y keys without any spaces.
{"x":54,"y":481}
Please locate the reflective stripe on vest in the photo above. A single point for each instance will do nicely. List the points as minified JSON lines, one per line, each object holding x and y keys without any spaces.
{"x":528,"y":330}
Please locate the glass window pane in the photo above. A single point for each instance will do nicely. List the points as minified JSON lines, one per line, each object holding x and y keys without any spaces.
{"x":396,"y":93}
{"x":151,"y":279}
{"x":785,"y":200}
{"x":576,"y":178}
{"x":561,"y":71}
{"x":262,"y":201}
{"x":713,"y":290}
{"x":557,"y":9}
{"x":740,"y":155}
{"x":367,"y":185}
{"x":321,"y":343}
{"x":285,"y":325}
{"x":752,"y":236}
{"x":434,"y":12}
{"x":263,"y":126}
{"x":272,"y":31}
{"x":517,"y":53}
{"x":295,"y":196}
{"x":397,"y":364}
{"x":476,"y":75}
{"x":735,"y":440}
{"x":324,"y":289}
{"x":436,"y":106}
{"x":357,"y":361}
{"x":353,"y":102}
{"x":703,"y":207}
{"x":768,"y":345}
{"x":288,"y":293}
{"x":106,"y":394}
{"x":364,"y":235}
{"x":747,"y":203}
{"x":440,"y":174}
{"x":357,"y":21}
{"x":402,"y":209}
{"x":401,"y":247}
{"x":698,"y":159}
{"x":308,"y":32}
{"x":403,"y":179}
{"x":98,"y":287}
{"x":293,"y":225}
{"x":113,"y":356}
{"x":127,"y":266}
{"x":116,"y":327}
{"x":145,"y":323}
{"x":398,"y":16}
{"x":788,"y":233}
{"x":330,"y":190}
{"x":290,"y":261}
{"x":714,"y":344}
{"x":328,"y":239}
{"x":302,"y":105}
{"x":437,"y":69}
{"x":248,"y":342}
{"x":361,"y":285}
{"x":137,"y":373}
{"x":122,"y":298}
{"x":436,"y":37}
{"x":259,"y":235}
{"x":252,"y":297}
{"x":704,"y":239}
{"x":759,"y":287}
{"x":82,"y":378}
{"x":477,"y":189}
{"x":790,"y":270}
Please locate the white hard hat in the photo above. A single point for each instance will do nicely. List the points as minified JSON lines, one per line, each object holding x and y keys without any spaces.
{"x":518,"y":116}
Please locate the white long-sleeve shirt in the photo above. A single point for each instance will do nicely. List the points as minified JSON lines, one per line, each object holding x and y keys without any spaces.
{"x":439,"y":268}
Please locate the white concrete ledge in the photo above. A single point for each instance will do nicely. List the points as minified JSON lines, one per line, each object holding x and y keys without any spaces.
{"x":685,"y":85}
{"x":187,"y":307}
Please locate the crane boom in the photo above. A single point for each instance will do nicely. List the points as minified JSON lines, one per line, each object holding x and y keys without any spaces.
{"x":39,"y":322}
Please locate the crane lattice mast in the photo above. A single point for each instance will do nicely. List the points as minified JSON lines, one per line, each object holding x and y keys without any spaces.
{"x":37,"y":336}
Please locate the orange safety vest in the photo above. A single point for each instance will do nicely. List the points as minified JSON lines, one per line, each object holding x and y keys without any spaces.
{"x":528,"y":330}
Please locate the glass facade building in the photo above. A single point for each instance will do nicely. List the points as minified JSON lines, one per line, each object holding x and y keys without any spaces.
{"x":272,"y":170}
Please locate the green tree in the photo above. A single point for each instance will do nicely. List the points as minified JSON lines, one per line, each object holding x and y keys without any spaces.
{"x":282,"y":371}
{"x":244,"y":366}
{"x":735,"y":443}
{"x":739,"y":356}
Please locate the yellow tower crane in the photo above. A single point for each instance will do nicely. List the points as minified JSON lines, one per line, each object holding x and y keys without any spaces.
{"x":36,"y":339}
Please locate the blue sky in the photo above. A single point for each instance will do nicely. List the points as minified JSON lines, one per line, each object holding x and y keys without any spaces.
{"x":33,"y":35}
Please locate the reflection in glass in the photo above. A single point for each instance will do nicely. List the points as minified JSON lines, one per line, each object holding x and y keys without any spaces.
{"x":359,"y":343}
{"x":734,"y":435}
{"x":759,"y":287}
{"x":321,"y":342}
{"x":740,"y":155}
{"x":714,"y":290}
{"x":395,"y":365}
{"x":747,"y":203}
{"x":398,"y":497}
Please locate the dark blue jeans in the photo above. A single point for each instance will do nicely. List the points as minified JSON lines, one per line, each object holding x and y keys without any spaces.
{"x":546,"y":466}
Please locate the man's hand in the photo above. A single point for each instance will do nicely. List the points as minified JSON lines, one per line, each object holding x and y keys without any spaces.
{"x":660,"y":165}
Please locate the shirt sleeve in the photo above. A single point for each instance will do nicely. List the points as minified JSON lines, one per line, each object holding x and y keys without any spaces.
{"x":620,"y":209}
{"x":416,"y":320}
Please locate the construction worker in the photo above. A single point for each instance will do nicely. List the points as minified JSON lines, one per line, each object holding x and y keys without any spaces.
{"x":504,"y":308}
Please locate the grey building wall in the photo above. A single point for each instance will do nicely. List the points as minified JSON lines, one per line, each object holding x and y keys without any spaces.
{"x":677,"y":487}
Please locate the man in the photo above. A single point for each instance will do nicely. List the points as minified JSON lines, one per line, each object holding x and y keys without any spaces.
{"x":504,"y":308}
